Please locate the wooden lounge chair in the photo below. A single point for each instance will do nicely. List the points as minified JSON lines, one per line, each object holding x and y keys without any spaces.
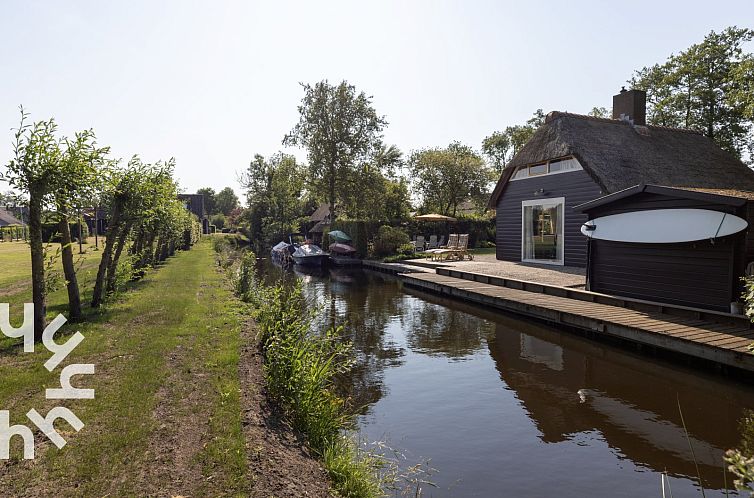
{"x":445,"y":252}
{"x":462,"y":249}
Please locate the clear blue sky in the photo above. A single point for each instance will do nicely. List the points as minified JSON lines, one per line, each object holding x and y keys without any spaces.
{"x":211,"y":83}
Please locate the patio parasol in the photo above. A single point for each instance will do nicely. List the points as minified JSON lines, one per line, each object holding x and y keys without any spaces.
{"x":339,"y":236}
{"x":434,"y":217}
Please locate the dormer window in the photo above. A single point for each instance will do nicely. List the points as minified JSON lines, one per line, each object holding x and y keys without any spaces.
{"x":560,"y":165}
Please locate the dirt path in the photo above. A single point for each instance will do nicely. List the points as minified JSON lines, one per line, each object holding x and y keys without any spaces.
{"x":279,"y":463}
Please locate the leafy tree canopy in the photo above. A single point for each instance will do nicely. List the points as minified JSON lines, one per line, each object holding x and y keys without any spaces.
{"x":707,"y":87}
{"x":209,"y":199}
{"x":226,"y":201}
{"x":340,"y":130}
{"x":446,"y":177}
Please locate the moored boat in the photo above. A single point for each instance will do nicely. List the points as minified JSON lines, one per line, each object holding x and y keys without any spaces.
{"x":281,"y":253}
{"x":343,"y":255}
{"x":310,"y":255}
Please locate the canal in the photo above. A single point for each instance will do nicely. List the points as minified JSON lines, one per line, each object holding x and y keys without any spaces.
{"x":504,"y":406}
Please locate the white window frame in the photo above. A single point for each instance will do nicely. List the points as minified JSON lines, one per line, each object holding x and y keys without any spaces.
{"x":545,"y":201}
{"x":548,"y":173}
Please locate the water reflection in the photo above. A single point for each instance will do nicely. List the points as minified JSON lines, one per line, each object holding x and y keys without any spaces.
{"x":492,"y":398}
{"x":574,"y":386}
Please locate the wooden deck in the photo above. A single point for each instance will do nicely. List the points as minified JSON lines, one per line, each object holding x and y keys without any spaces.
{"x":716,"y":337}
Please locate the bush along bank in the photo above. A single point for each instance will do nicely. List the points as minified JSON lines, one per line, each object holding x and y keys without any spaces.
{"x":300,"y":367}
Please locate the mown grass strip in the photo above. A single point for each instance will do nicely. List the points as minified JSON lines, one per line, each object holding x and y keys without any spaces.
{"x":183,"y":304}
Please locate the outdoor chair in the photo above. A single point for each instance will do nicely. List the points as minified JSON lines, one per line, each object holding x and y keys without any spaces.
{"x":432,"y":244}
{"x":444,"y":252}
{"x":462,"y":249}
{"x":441,"y":242}
{"x":419,"y":243}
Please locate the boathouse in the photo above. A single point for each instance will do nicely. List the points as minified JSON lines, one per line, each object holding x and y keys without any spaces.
{"x":573,"y":159}
{"x":702,"y":270}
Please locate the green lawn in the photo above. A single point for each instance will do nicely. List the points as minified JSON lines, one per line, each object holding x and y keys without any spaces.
{"x":15,"y":278}
{"x":166,"y":419}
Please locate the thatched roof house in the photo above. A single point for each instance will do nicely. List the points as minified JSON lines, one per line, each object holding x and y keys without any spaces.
{"x":574,"y":160}
{"x":321,"y":214}
{"x":7,"y":219}
{"x":618,"y":155}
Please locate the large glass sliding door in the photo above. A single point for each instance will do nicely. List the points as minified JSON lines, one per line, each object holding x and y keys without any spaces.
{"x":542,"y":231}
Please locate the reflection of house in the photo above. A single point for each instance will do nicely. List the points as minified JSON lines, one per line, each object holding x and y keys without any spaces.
{"x":570,"y":386}
{"x":195,"y":204}
{"x":573,"y":159}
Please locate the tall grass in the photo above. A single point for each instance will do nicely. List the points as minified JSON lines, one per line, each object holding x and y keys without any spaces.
{"x":300,"y":368}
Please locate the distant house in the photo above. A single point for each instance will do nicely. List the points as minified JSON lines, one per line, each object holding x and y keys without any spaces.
{"x":579,"y":168}
{"x":319,"y":222}
{"x":195,"y":204}
{"x":7,"y":219}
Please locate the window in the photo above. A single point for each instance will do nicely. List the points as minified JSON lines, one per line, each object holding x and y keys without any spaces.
{"x":549,"y":168}
{"x":538,"y":169}
{"x":542,"y":231}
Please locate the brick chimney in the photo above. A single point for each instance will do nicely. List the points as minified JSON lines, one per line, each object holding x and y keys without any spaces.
{"x":631,"y":105}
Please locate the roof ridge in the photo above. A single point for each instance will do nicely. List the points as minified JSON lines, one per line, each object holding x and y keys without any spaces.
{"x":552,"y":115}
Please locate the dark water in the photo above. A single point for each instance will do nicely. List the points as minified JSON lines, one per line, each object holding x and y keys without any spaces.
{"x":504,"y":406}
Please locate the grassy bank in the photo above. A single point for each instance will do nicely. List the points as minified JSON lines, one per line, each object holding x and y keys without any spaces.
{"x":166,"y":417}
{"x":300,"y":367}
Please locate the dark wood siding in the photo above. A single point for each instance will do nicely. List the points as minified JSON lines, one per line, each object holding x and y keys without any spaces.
{"x":697,"y":274}
{"x":577,"y":187}
{"x":644,"y":201}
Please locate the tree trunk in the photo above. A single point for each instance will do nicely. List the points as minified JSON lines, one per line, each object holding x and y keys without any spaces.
{"x":74,"y":298}
{"x":112,"y":269}
{"x":107,"y":254}
{"x":37,"y":264}
{"x":331,"y":193}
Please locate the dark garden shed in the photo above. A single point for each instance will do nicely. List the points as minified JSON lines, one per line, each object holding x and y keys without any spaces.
{"x":702,"y":273}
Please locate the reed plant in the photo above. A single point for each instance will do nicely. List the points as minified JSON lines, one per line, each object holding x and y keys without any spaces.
{"x":301,"y":366}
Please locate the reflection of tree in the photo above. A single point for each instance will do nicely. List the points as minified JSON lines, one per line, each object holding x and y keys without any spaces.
{"x":365,"y":304}
{"x":438,"y":330}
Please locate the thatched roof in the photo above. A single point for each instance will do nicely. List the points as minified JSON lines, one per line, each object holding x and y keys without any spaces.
{"x":618,"y":155}
{"x":322,"y":213}
{"x":7,"y":219}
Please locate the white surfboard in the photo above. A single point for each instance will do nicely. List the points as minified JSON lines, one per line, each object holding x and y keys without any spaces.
{"x":660,"y":226}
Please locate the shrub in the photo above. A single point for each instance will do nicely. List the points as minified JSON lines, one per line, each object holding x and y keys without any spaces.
{"x":218,"y":220}
{"x":406,"y":249}
{"x":388,"y":240}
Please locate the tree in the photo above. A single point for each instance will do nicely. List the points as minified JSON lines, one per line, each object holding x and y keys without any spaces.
{"x":209,"y":199}
{"x":599,"y":112}
{"x":340,"y":130}
{"x":80,"y":165}
{"x":34,"y":169}
{"x":497,"y":147}
{"x":501,"y":146}
{"x":226,"y":201}
{"x":138,"y":196}
{"x":704,"y":88}
{"x":370,"y":195}
{"x":446,"y":177}
{"x":274,"y":190}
